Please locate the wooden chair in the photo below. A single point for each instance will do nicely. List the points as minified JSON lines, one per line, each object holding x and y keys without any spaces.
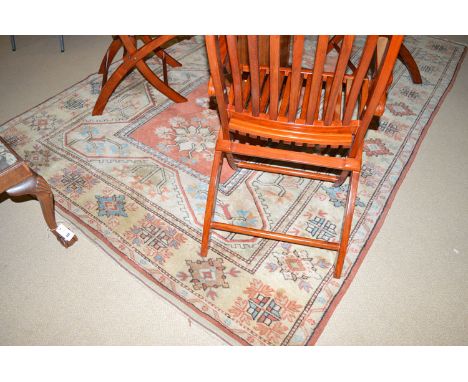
{"x":404,"y":55}
{"x":17,"y":179}
{"x":295,"y":115}
{"x":134,"y":57}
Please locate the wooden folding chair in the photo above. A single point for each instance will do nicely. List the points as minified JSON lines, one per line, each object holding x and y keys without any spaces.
{"x":288,"y":109}
{"x":17,"y":179}
{"x":134,"y":57}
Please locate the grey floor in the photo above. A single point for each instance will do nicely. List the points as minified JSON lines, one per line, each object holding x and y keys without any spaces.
{"x":411,"y":289}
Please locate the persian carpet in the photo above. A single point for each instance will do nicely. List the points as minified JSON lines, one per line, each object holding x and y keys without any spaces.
{"x":135,"y":181}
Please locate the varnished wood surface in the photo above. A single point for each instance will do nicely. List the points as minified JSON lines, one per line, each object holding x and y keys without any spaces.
{"x":269,"y":110}
{"x":19,"y":180}
{"x":134,"y":58}
{"x":264,"y":49}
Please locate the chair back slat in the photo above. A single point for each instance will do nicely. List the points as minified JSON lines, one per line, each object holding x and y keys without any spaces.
{"x":305,"y":99}
{"x":274,"y":76}
{"x":364,"y":64}
{"x":246,"y":95}
{"x":265,"y":97}
{"x":285,"y":97}
{"x":335,"y":98}
{"x":252,"y":42}
{"x":337,"y":85}
{"x":326,"y":95}
{"x":235,"y":71}
{"x":378,"y":90}
{"x":216,"y":70}
{"x":316,"y":87}
{"x":296,"y":77}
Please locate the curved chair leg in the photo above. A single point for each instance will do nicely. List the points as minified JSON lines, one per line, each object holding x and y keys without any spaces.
{"x":37,"y":186}
{"x":106,"y":62}
{"x":408,"y":60}
{"x":160,"y":53}
{"x":108,"y":89}
{"x":211,"y":201}
{"x":129,"y":63}
{"x":148,"y":74}
{"x":348,"y":219}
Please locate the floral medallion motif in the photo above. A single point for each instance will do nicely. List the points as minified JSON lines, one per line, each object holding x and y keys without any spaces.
{"x":298,"y":265}
{"x":185,"y":135}
{"x":400,"y":109}
{"x":39,"y":157}
{"x":73,"y":180}
{"x":111,"y":205}
{"x":194,"y":139}
{"x":44,"y":121}
{"x":375,"y":147}
{"x":155,"y":238}
{"x":15,"y":137}
{"x":268,"y":311}
{"x":207,"y":274}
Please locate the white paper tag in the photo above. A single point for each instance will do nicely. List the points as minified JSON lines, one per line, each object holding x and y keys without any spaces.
{"x":64,"y":232}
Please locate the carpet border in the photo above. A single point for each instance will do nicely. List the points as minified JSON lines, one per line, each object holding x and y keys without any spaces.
{"x":143,"y":276}
{"x":344,"y":288}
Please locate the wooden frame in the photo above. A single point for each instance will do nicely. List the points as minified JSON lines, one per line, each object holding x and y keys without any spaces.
{"x":404,"y":55}
{"x":278,"y":106}
{"x":134,"y":57}
{"x":19,"y":180}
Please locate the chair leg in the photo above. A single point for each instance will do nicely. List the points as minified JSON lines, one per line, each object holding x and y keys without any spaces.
{"x":106,"y":62}
{"x":108,"y":88}
{"x":37,"y":186}
{"x":341,"y":179}
{"x":408,"y":60}
{"x":211,"y":201}
{"x":164,"y":62}
{"x":159,"y":52}
{"x":146,"y":72}
{"x":348,"y":219}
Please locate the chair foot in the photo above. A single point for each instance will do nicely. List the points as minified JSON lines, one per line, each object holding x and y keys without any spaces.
{"x":37,"y":186}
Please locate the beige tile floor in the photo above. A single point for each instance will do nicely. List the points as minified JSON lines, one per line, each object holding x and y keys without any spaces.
{"x":411,"y":289}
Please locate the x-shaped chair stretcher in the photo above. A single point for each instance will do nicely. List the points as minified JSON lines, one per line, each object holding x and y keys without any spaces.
{"x":134,"y":57}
